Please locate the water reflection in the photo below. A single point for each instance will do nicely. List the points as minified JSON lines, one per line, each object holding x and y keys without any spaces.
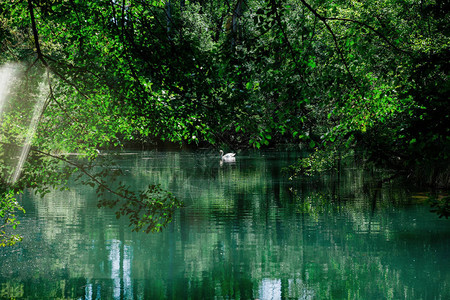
{"x":245,"y":233}
{"x":120,"y":257}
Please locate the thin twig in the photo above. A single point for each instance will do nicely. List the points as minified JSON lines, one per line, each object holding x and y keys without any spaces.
{"x":372,"y":29}
{"x":84,"y":171}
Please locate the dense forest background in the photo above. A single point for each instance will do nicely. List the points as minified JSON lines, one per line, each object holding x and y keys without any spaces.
{"x":335,"y":77}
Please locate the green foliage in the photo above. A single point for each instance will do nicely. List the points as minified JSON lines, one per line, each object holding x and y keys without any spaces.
{"x":320,"y":161}
{"x":269,"y":72}
{"x":371,"y":76}
{"x":440,"y":206}
{"x":150,"y":209}
{"x":9,"y":207}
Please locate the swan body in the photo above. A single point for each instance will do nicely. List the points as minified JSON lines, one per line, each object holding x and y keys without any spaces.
{"x":229,"y":157}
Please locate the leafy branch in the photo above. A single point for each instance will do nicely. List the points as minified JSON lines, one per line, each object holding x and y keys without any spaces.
{"x":150,"y":209}
{"x":379,"y":34}
{"x":333,"y":35}
{"x":8,"y":208}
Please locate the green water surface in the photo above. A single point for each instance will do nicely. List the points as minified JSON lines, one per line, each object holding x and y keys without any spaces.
{"x":246,"y":232}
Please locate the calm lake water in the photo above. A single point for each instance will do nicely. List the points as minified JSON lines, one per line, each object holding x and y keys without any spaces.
{"x":246,"y":232}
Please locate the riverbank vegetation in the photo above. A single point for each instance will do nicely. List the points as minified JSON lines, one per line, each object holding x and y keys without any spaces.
{"x":333,"y":77}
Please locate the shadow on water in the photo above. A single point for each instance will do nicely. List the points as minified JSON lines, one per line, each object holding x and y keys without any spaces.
{"x":246,"y":232}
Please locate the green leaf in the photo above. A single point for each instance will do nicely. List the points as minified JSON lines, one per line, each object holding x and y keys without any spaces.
{"x":311,"y":64}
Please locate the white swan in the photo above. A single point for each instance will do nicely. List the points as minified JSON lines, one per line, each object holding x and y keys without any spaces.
{"x":229,"y":157}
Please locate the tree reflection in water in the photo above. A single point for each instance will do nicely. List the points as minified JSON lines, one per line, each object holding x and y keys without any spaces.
{"x":244,"y":233}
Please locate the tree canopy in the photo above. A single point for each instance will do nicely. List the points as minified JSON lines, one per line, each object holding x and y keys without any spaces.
{"x":329,"y":75}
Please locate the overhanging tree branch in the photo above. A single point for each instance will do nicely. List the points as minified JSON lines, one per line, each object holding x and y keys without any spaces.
{"x":333,"y":35}
{"x":35,"y":34}
{"x":286,"y":39}
{"x":85,"y":172}
{"x":372,"y":29}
